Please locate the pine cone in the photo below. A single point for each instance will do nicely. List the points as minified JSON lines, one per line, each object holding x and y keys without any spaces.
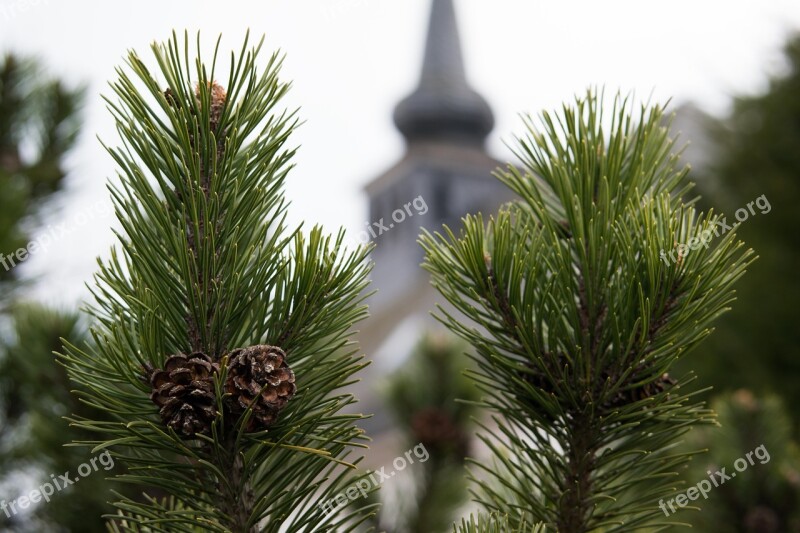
{"x":437,"y":430}
{"x":184,"y":391}
{"x":259,"y":377}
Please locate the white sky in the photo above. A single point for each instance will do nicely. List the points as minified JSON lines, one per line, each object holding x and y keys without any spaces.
{"x":351,"y":60}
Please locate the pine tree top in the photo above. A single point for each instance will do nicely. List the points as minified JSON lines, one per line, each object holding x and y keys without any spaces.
{"x":222,"y":337}
{"x":577,"y":316}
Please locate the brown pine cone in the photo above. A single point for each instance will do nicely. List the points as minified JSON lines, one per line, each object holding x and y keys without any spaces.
{"x":437,"y":430}
{"x":184,"y":391}
{"x":259,"y":377}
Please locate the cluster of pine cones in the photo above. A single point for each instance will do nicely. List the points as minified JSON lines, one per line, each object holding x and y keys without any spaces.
{"x":258,"y":378}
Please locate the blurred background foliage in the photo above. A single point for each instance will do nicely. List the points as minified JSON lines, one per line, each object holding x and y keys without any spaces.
{"x":39,"y":124}
{"x":34,"y":398}
{"x":765,"y":497}
{"x":756,"y":151}
{"x":430,"y":401}
{"x":756,"y":348}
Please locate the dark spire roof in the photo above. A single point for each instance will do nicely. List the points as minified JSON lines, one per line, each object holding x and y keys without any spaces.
{"x":444,"y":105}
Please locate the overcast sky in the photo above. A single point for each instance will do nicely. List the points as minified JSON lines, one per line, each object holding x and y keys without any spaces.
{"x":350,"y":61}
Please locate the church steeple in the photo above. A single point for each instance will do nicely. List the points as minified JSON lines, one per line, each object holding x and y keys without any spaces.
{"x":444,"y":106}
{"x":446,"y":170}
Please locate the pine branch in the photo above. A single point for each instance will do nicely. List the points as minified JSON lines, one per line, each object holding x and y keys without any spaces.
{"x":577,"y":319}
{"x":222,"y":345}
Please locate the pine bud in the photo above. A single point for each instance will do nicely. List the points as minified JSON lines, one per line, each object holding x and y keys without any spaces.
{"x":218,"y":97}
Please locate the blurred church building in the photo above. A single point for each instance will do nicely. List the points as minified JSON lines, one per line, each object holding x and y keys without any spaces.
{"x":446,"y":169}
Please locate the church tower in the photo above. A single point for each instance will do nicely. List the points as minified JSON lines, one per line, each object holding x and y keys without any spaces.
{"x":444,"y":174}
